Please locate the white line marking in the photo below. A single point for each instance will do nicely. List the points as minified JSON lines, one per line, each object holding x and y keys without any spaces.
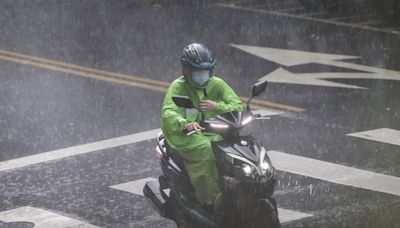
{"x":136,"y":187}
{"x":385,"y":135}
{"x":308,"y":18}
{"x":295,"y":57}
{"x":42,"y":218}
{"x":291,"y":57}
{"x":76,"y":150}
{"x":281,"y":75}
{"x":289,"y":215}
{"x":335,"y":173}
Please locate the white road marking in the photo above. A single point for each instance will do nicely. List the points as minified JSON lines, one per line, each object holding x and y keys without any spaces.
{"x":289,"y":215}
{"x":90,"y":147}
{"x":294,"y":57}
{"x":385,"y":135}
{"x":281,"y":75}
{"x":136,"y":187}
{"x":304,"y":17}
{"x":335,"y":173}
{"x":291,"y":57}
{"x":42,"y":218}
{"x":76,"y":150}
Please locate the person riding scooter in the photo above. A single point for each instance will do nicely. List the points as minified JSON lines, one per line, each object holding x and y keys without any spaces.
{"x":213,"y":96}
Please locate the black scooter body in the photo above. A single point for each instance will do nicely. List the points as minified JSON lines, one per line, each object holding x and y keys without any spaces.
{"x":247,"y":180}
{"x":173,"y":189}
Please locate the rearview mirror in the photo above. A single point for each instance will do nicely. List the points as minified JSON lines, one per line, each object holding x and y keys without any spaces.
{"x":183,"y":101}
{"x":258,"y":88}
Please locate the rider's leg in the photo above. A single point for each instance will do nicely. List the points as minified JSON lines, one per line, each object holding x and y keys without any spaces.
{"x":200,"y":165}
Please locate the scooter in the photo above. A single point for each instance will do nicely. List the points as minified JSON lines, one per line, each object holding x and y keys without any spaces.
{"x":247,"y":176}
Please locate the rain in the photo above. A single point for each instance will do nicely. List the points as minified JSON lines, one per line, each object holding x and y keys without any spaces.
{"x":83,"y":83}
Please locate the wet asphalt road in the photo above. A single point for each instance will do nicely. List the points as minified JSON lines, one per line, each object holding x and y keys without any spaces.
{"x":44,"y":109}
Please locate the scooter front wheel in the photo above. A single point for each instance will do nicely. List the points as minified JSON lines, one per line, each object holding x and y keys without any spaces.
{"x":268,"y":214}
{"x":181,"y":219}
{"x":272,"y":220}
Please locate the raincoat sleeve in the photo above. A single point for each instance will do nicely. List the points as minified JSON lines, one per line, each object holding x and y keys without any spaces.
{"x":229,"y":100}
{"x":172,"y":120}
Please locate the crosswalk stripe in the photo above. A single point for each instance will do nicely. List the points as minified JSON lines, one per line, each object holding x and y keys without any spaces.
{"x":76,"y":150}
{"x":91,"y":147}
{"x":286,"y":215}
{"x":40,"y":219}
{"x":385,"y":135}
{"x":335,"y":173}
{"x":136,"y":187}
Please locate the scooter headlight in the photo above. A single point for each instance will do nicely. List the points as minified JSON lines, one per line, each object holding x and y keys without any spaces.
{"x":265,"y":167}
{"x":242,"y":165}
{"x":247,"y":169}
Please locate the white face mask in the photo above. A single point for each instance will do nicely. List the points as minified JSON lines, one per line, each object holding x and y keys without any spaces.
{"x":201,"y":77}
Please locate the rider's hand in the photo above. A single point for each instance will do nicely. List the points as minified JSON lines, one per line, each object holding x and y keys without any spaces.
{"x":192,"y":126}
{"x":208,"y":105}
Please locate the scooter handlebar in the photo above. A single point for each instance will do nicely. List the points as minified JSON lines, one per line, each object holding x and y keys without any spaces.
{"x":260,"y":117}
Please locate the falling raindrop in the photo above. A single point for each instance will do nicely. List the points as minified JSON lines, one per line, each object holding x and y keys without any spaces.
{"x":311,"y":187}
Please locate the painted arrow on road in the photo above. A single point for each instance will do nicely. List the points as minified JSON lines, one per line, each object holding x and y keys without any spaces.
{"x":290,"y":58}
{"x":281,"y":75}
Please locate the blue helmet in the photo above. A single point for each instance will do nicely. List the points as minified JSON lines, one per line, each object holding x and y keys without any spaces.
{"x":198,"y":64}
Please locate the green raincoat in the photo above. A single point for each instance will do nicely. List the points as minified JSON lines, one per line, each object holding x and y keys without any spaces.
{"x":196,"y":149}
